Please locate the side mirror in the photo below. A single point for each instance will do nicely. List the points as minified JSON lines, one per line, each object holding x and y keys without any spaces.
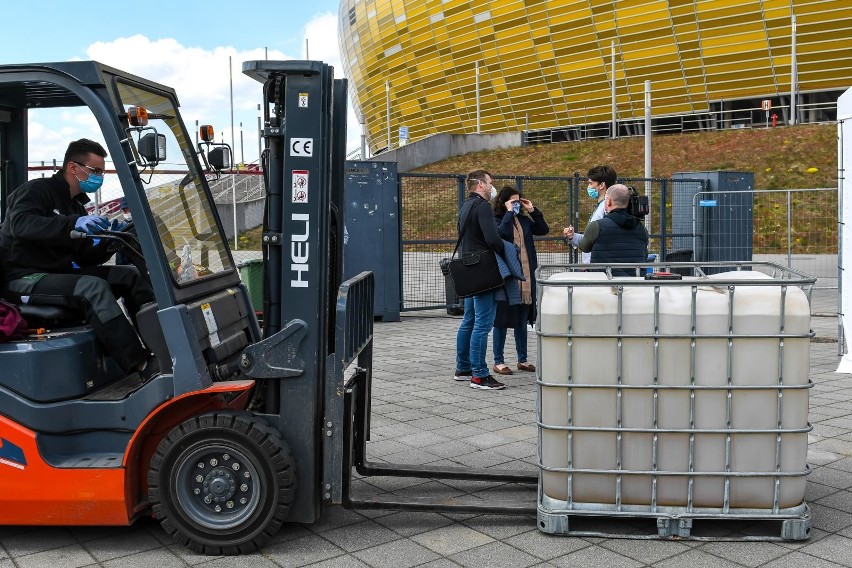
{"x":219,"y":158}
{"x":152,"y":148}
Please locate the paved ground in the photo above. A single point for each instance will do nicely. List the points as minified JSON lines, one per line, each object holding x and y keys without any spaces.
{"x":422,"y":416}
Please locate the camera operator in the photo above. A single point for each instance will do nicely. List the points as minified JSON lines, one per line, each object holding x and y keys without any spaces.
{"x":617,"y":237}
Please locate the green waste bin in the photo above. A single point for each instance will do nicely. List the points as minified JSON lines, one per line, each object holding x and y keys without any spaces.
{"x":251,"y":273}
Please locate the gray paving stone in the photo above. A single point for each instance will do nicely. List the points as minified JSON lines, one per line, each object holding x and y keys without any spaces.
{"x":746,"y":553}
{"x":546,"y":546}
{"x":844,"y":464}
{"x":394,"y":483}
{"x":243,"y":561}
{"x":501,"y":527}
{"x":423,"y":439}
{"x":187,"y":556}
{"x":481,"y":459}
{"x":409,"y":523}
{"x":73,"y":556}
{"x":340,"y":562}
{"x":494,"y":554}
{"x":695,"y":559}
{"x":161,"y":558}
{"x":595,"y":555}
{"x":815,"y":491}
{"x":37,"y":540}
{"x":123,"y":544}
{"x":397,"y":554}
{"x":302,"y":551}
{"x":450,"y":540}
{"x":833,"y":548}
{"x":441,"y":563}
{"x":385,"y":447}
{"x":646,"y":551}
{"x":832,"y":477}
{"x":828,"y":519}
{"x":799,"y":560}
{"x":841,"y":500}
{"x":360,"y":536}
{"x":451,"y":449}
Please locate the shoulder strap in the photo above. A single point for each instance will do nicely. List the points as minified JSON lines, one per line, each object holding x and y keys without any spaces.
{"x":464,"y":227}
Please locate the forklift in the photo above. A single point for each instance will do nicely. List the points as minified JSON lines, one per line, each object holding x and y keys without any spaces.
{"x":245,"y":426}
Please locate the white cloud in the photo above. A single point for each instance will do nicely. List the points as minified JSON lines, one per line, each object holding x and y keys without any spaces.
{"x":201,"y":80}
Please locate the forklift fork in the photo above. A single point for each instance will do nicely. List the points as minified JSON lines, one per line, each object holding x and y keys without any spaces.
{"x":355,"y":339}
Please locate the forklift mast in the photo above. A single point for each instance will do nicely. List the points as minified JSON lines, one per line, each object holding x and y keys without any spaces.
{"x":304,"y":125}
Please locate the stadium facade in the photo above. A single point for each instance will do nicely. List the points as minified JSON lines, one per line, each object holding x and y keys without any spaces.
{"x":545,"y":65}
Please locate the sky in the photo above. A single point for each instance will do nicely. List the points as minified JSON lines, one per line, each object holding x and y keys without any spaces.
{"x":184,"y":44}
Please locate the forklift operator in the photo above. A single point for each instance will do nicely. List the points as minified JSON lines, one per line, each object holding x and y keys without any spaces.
{"x":45,"y":265}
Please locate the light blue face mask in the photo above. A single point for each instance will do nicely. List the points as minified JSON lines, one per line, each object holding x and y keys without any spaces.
{"x":92,"y":183}
{"x":592,"y":191}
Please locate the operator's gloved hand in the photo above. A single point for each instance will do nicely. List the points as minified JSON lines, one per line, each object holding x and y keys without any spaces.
{"x":91,"y":224}
{"x":117,"y":225}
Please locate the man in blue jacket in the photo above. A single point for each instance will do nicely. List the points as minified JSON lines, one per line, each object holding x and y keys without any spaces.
{"x":476,"y":219}
{"x":618,"y":236}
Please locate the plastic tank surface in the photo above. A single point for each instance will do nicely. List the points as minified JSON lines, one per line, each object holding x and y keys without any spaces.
{"x":689,"y":394}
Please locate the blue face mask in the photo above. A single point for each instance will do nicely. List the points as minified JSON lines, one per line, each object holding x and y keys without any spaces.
{"x":592,"y":191}
{"x":92,"y":183}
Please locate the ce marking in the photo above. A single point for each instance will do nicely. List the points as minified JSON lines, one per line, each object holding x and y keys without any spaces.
{"x":302,"y":147}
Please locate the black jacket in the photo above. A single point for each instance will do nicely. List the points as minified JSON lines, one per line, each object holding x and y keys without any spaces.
{"x":621,"y":238}
{"x":481,"y":232}
{"x":36,"y":233}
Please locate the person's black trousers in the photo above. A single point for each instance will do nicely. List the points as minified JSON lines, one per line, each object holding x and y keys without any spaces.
{"x":93,"y":291}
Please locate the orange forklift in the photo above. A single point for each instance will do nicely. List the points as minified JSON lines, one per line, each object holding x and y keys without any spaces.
{"x":244,"y":427}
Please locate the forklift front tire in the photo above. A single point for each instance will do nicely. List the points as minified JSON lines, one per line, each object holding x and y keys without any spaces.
{"x":222,"y":483}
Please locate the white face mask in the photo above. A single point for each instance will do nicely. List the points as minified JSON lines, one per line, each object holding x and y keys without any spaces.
{"x":128,"y":217}
{"x":493,"y":192}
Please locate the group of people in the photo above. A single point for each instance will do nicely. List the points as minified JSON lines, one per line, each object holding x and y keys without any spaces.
{"x":51,"y":256}
{"x":613,"y":235}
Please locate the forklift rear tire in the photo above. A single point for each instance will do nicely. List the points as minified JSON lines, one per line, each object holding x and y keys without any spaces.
{"x":222,"y":483}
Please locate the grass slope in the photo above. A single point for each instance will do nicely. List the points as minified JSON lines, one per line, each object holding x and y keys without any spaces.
{"x":794,"y":157}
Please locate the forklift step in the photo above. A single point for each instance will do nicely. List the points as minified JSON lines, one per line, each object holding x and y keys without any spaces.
{"x":92,"y":461}
{"x":118,"y":390}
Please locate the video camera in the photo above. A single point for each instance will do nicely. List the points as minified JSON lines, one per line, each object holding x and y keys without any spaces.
{"x":639,"y":205}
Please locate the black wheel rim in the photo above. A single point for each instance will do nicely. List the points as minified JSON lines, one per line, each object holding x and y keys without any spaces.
{"x":217,"y":486}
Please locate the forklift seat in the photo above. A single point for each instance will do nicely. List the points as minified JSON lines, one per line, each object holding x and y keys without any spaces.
{"x":51,"y":316}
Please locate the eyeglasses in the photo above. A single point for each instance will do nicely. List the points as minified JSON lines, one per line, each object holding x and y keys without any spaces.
{"x":96,"y":171}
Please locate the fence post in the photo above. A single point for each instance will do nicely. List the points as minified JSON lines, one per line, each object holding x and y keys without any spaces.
{"x":519,"y":184}
{"x":574,"y":212}
{"x":664,"y":189}
{"x":461,"y":185}
{"x":789,"y":231}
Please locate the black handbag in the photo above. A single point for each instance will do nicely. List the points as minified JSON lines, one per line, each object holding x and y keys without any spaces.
{"x":474,"y":272}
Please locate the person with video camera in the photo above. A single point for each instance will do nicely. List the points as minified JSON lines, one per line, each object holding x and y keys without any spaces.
{"x":618,"y":237}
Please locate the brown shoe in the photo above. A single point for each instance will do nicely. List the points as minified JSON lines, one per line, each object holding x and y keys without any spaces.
{"x":504,"y":371}
{"x":526,"y":367}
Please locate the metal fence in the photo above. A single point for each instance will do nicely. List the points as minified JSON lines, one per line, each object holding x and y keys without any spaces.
{"x":797,"y":228}
{"x":794,"y":228}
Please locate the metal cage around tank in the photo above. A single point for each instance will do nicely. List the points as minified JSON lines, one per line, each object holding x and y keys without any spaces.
{"x":674,"y":400}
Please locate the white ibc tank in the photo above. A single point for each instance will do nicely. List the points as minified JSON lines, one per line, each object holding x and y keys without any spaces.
{"x":579,"y":358}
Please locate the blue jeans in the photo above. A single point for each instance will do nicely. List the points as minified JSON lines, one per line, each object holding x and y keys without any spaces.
{"x":472,"y":337}
{"x":520,"y":336}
